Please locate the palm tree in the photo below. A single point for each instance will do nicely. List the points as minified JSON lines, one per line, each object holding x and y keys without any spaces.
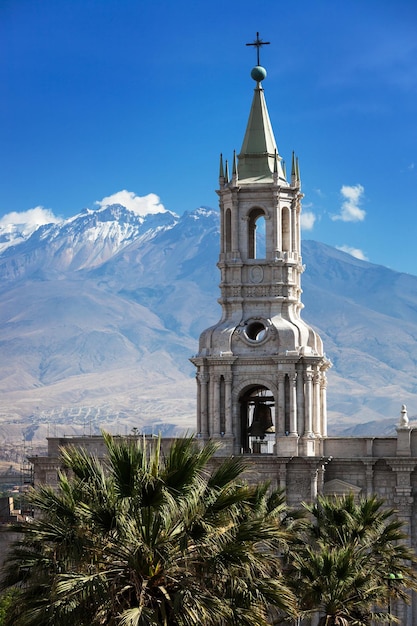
{"x":344,"y":559}
{"x":148,"y":539}
{"x":6,"y":601}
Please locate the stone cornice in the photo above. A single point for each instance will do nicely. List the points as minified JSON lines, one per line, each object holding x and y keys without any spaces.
{"x":399,"y":464}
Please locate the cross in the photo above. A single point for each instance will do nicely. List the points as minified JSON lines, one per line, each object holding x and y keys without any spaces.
{"x":258,"y":43}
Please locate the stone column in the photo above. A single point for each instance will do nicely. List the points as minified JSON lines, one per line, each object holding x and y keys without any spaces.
{"x":298,"y":209}
{"x":282,"y":476}
{"x":323,"y":402}
{"x":276,"y":226}
{"x":316,"y":404}
{"x":235,"y":226}
{"x":204,"y":379}
{"x":403,"y":501}
{"x":403,"y":498}
{"x":228,"y":402}
{"x":223,"y":246}
{"x":293,"y":403}
{"x":300,"y":404}
{"x":308,"y":378}
{"x":369,"y":476}
{"x":293,"y":214}
{"x":280,"y":405}
{"x":198,"y":404}
{"x":216,"y":406}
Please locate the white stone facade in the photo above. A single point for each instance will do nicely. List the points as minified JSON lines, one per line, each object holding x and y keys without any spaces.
{"x":261,"y":358}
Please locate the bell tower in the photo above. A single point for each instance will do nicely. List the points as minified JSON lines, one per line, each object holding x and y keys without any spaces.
{"x":261,"y":370}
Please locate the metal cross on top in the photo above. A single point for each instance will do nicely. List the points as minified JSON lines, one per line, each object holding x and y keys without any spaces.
{"x":258,"y":43}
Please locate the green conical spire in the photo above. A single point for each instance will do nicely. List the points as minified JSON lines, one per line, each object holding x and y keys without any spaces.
{"x":234,"y":170}
{"x":226,"y":173}
{"x":221,"y":173}
{"x":257,"y":156}
{"x":293,"y":170}
{"x":297,"y":168}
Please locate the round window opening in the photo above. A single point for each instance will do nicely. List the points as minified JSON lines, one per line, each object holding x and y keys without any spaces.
{"x":256,"y":331}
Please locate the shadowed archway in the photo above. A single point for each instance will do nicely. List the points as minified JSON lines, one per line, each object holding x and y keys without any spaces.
{"x":257,"y":415}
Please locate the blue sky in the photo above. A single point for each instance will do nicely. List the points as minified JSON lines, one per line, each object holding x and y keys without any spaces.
{"x":100,"y":96}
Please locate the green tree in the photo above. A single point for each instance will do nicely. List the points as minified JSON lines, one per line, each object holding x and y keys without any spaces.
{"x":148,"y":539}
{"x":350,"y":561}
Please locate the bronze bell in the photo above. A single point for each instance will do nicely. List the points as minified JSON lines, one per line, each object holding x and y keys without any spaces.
{"x":262,"y":422}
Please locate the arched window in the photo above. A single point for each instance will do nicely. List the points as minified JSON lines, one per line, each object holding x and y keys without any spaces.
{"x":228,"y":230}
{"x":256,"y":235}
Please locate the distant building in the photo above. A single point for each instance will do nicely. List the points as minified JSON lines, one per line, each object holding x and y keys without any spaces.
{"x":9,"y":514}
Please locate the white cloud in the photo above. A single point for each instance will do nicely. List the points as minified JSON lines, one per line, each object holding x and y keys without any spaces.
{"x":142,"y":205}
{"x":356,"y":252}
{"x":350,"y":210}
{"x":411,"y":166}
{"x":307,"y":220}
{"x":28,"y":221}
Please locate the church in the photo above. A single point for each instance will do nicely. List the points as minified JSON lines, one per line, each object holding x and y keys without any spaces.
{"x":261,"y":370}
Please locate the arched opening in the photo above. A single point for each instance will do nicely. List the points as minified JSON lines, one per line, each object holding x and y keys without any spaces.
{"x":257,"y":235}
{"x":257,"y":411}
{"x":228,"y":230}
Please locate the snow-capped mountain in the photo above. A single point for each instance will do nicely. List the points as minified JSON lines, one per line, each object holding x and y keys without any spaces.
{"x":99,"y":314}
{"x":84,"y":241}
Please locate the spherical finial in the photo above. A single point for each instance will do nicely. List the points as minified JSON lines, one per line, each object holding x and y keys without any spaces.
{"x":258,"y":73}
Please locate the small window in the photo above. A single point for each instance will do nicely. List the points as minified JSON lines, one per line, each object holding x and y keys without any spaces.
{"x":256,"y":331}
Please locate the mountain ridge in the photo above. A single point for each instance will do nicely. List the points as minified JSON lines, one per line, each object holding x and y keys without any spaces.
{"x":100,"y":313}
